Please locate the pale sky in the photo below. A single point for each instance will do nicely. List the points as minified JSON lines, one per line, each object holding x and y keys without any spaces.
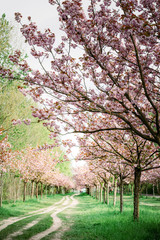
{"x":41,"y":12}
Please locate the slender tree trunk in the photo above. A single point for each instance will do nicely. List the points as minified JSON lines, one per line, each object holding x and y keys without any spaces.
{"x":137,"y":179}
{"x":146,"y":189}
{"x":32,"y":189}
{"x":24,"y":192}
{"x":41,"y":190}
{"x":104,"y":195}
{"x":97,"y":192}
{"x":101,"y":192}
{"x":158,"y":190}
{"x":121,"y":194}
{"x":153,"y":190}
{"x":14,"y":190}
{"x":37,"y":190}
{"x":1,"y":188}
{"x":18,"y":189}
{"x":107,"y":193}
{"x":132,"y":189}
{"x":115,"y":191}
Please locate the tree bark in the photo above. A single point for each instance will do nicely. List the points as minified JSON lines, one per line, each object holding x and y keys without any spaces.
{"x":107,"y":193}
{"x":97,"y":192}
{"x":158,"y":190}
{"x":137,"y":179}
{"x":101,"y":192}
{"x":32,"y":189}
{"x":115,"y":191}
{"x":104,"y":195}
{"x":146,"y":189}
{"x":24,"y":192}
{"x":41,"y":190}
{"x":121,"y":194}
{"x":1,"y":188}
{"x":37,"y":190}
{"x":153,"y":190}
{"x":14,"y":189}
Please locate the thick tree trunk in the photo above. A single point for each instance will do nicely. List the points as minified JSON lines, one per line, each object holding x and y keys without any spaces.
{"x":1,"y":188}
{"x":115,"y":191}
{"x":121,"y":194}
{"x":24,"y":191}
{"x":137,"y":179}
{"x":37,"y":190}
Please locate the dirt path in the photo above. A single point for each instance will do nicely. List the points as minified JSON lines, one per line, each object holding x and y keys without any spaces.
{"x":70,"y":202}
{"x":12,"y":220}
{"x":64,"y":203}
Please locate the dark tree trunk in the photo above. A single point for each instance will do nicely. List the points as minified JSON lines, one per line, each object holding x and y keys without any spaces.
{"x":24,"y":191}
{"x":37,"y":190}
{"x":41,"y":190}
{"x":104,"y":195}
{"x":146,"y":189}
{"x":153,"y":190}
{"x":121,"y":194}
{"x":137,"y":179}
{"x":158,"y":190}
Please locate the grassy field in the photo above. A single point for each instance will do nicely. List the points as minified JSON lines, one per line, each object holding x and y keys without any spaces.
{"x":44,"y":221}
{"x":21,"y":208}
{"x":96,"y":221}
{"x":89,"y":220}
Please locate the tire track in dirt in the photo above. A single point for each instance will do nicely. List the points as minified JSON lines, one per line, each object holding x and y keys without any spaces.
{"x":57,"y":222}
{"x":12,"y":220}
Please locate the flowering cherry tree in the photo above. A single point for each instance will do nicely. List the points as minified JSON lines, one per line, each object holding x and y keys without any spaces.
{"x":122,"y":154}
{"x":5,"y":155}
{"x":113,"y":84}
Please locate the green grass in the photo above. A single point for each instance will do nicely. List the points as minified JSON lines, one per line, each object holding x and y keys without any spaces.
{"x":45,"y":223}
{"x":21,"y":208}
{"x":97,"y":221}
{"x":89,"y":220}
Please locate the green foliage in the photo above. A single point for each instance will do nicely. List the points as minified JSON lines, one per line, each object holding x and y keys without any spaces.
{"x":15,"y":106}
{"x":65,"y":167}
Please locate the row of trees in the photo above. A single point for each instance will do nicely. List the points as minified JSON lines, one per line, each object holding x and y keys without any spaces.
{"x":25,"y":159}
{"x":112,"y":84}
{"x":31,"y":165}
